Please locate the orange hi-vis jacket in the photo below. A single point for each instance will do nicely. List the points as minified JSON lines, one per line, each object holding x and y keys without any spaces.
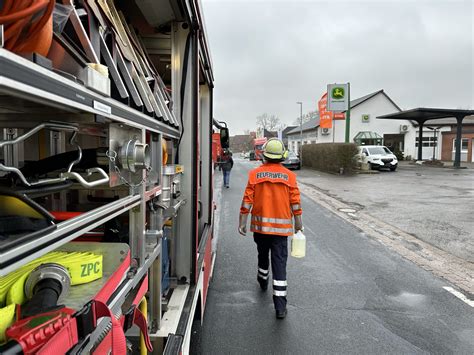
{"x":273,"y":196}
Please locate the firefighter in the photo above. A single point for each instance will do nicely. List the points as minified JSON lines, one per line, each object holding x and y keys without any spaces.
{"x":273,"y":197}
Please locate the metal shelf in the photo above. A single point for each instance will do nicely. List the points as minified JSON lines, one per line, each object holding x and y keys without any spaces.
{"x":63,"y":233}
{"x":23,"y":79}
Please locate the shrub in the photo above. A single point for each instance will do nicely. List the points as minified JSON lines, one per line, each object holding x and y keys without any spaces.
{"x":331,"y":157}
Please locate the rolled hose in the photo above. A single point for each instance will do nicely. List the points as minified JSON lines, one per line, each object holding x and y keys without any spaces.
{"x":28,"y":25}
{"x":83,"y":267}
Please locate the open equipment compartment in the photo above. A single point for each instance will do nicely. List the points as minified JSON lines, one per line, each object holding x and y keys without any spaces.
{"x":108,"y":134}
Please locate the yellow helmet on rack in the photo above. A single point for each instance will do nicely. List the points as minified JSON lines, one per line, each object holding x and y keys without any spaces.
{"x":275,"y":149}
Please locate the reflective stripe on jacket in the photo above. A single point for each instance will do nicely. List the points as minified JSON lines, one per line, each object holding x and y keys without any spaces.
{"x":273,"y":196}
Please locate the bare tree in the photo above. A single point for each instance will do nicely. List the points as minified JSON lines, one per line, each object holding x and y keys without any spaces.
{"x":268,"y":122}
{"x":247,"y":132}
{"x":306,"y":117}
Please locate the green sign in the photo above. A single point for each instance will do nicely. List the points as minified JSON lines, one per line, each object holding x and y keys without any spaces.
{"x":365,"y":118}
{"x":338,"y":93}
{"x":338,"y":97}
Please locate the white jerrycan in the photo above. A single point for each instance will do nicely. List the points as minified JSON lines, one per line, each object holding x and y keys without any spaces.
{"x":298,"y":245}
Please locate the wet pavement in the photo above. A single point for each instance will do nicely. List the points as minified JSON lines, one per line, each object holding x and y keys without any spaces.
{"x":350,"y":294}
{"x":432,"y":204}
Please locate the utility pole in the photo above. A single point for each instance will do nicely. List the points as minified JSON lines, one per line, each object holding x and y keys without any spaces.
{"x":348,"y":114}
{"x":301,"y":132}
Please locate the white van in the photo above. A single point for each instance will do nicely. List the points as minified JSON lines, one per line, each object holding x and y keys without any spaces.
{"x":377,"y":156}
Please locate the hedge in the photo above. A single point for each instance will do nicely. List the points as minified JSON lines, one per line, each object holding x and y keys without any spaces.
{"x":331,"y":157}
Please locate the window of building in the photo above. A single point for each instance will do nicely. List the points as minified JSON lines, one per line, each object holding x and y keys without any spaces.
{"x":464,"y":145}
{"x":428,"y":141}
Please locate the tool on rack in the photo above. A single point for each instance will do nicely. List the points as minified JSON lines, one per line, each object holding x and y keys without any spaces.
{"x":69,"y":174}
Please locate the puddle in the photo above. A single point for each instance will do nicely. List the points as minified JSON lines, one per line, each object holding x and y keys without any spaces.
{"x":347,"y":210}
{"x":409,"y":299}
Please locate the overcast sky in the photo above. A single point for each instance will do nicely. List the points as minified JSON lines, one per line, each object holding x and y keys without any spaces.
{"x":269,"y":54}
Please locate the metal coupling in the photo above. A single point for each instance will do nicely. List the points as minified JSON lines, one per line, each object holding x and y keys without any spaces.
{"x":48,"y":271}
{"x":135,"y":156}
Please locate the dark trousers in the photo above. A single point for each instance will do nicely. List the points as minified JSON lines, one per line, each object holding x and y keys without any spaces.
{"x":277,"y":246}
{"x":226,"y":174}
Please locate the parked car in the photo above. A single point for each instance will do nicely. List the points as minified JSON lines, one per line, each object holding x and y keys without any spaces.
{"x":292,"y":161}
{"x":378,"y":157}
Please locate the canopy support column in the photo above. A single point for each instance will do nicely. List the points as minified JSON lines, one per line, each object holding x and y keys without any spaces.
{"x":457,"y":154}
{"x":420,"y":140}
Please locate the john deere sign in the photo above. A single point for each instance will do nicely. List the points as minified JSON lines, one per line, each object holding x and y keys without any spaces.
{"x":338,"y":100}
{"x":337,"y":93}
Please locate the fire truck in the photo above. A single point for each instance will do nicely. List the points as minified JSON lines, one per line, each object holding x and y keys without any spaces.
{"x":216,"y":148}
{"x":106,"y":175}
{"x":258,"y":147}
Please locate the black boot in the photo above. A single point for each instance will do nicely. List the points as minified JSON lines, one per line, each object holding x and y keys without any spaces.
{"x":263,"y":283}
{"x":281,"y":314}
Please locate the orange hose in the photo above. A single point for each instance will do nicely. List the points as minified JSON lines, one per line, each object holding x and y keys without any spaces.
{"x":23,"y":13}
{"x":45,"y":18}
{"x":7,"y":4}
{"x":22,"y":33}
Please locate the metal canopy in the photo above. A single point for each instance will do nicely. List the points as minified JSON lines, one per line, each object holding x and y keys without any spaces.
{"x":422,"y":114}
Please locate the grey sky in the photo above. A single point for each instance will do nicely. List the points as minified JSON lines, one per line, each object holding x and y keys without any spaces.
{"x":269,"y":54}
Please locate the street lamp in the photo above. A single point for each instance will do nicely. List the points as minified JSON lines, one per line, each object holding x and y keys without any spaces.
{"x":301,"y":131}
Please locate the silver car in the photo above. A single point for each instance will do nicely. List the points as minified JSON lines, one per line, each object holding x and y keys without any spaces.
{"x":292,"y":161}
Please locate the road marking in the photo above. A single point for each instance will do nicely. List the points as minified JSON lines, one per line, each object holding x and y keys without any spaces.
{"x":459,"y":295}
{"x":311,"y":231}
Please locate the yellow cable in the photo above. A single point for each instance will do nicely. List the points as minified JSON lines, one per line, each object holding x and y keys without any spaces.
{"x":143,"y":306}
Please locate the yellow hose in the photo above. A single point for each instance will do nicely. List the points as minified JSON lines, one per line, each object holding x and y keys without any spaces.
{"x":83,"y":267}
{"x":164,"y":150}
{"x":143,"y":306}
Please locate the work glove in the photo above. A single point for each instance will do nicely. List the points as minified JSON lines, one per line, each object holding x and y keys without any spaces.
{"x":298,"y":223}
{"x":243,"y":223}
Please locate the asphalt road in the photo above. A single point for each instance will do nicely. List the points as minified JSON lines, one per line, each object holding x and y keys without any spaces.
{"x":433,"y":204}
{"x":348,"y":295}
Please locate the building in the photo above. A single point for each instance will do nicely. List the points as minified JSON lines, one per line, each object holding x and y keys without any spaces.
{"x":284,"y":134}
{"x":439,"y":138}
{"x":309,"y":133}
{"x":242,"y":142}
{"x":364,"y":111}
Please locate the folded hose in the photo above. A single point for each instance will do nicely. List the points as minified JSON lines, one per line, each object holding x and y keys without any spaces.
{"x":28,"y":25}
{"x":83,"y":267}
